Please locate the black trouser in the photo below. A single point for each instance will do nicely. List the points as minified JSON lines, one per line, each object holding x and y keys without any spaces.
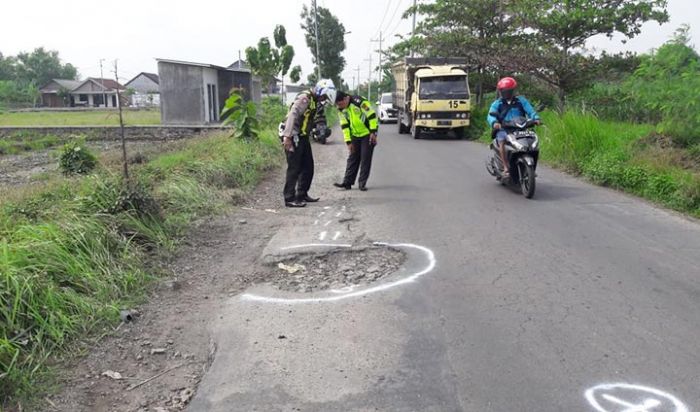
{"x":300,"y":171}
{"x":360,"y":159}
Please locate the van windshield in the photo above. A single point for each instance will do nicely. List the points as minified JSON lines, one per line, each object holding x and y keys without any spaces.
{"x":444,"y":87}
{"x":387,"y":99}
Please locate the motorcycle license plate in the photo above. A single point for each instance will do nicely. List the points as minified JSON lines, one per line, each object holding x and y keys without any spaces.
{"x":522,"y":134}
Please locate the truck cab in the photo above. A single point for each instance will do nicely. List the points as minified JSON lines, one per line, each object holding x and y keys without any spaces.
{"x":432,"y":96}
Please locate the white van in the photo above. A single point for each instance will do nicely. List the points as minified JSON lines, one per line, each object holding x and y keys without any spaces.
{"x":385,"y":107}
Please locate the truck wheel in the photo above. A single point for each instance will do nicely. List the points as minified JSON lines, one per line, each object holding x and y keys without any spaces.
{"x":415,"y":132}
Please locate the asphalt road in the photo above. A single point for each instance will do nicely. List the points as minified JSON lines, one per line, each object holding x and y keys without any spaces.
{"x":530,"y":304}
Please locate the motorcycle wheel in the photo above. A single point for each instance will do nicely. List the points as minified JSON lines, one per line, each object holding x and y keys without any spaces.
{"x":527,"y":180}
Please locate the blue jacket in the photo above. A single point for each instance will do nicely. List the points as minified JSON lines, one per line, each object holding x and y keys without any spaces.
{"x":513,"y":112}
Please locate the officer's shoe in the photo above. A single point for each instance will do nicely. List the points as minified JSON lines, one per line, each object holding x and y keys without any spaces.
{"x":294,"y":203}
{"x":342,"y":186}
{"x":309,"y":199}
{"x":363,"y":188}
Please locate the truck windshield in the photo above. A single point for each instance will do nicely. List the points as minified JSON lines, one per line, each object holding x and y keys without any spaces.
{"x":444,"y":87}
{"x":387,"y":99}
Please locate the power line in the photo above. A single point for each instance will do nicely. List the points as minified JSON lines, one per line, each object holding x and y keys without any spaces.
{"x":398,"y":6}
{"x":393,"y":31}
{"x":386,"y":11}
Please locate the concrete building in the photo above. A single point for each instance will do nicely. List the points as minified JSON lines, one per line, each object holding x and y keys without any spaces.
{"x":194,"y":93}
{"x":145,"y":90}
{"x":92,"y":92}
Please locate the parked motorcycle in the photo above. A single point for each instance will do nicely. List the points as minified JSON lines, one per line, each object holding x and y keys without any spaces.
{"x":522,"y":154}
{"x":321,"y":132}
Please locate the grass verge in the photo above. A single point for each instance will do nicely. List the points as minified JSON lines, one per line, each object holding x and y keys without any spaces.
{"x":76,"y":251}
{"x":80,"y":118}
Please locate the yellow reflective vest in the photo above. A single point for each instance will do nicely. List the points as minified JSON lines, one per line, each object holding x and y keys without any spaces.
{"x":358,"y":119}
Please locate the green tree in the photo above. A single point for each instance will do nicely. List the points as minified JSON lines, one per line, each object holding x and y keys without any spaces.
{"x":7,"y":68}
{"x":478,"y":30}
{"x":667,"y":82}
{"x":331,"y":35}
{"x":40,"y":66}
{"x":295,"y":74}
{"x":560,"y":30}
{"x":267,"y":61}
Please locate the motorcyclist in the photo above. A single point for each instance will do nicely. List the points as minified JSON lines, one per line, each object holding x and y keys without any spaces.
{"x":507,"y":107}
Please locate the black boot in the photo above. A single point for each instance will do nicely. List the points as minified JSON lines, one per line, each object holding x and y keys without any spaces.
{"x":294,"y":203}
{"x":342,"y":186}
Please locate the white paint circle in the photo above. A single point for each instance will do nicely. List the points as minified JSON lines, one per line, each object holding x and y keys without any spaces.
{"x":652,"y":398}
{"x":350,"y":292}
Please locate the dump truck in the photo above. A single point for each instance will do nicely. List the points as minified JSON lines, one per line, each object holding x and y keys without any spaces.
{"x":431,"y":95}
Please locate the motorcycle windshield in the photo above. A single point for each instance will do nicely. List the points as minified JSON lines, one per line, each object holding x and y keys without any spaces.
{"x":518,"y":122}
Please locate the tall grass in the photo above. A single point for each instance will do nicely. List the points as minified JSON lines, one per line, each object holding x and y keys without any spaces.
{"x":614,"y":154}
{"x":75,"y":252}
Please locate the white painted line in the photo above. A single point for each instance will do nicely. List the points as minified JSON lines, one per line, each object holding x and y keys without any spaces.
{"x":328,"y":223}
{"x":648,"y":403}
{"x":336,"y":236}
{"x":309,"y":245}
{"x":321,"y":214}
{"x":653,"y":398}
{"x":430,"y":256}
{"x":326,"y":207}
{"x":322,"y":236}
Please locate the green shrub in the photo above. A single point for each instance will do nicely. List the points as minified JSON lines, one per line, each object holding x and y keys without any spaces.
{"x":605,"y":168}
{"x":242,"y":115}
{"x":76,"y":158}
{"x":661,"y":185}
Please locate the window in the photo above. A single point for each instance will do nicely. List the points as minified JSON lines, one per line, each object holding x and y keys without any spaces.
{"x":387,"y":99}
{"x":444,"y":87}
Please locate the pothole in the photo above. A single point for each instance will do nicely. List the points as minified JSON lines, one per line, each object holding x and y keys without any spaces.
{"x":334,"y":270}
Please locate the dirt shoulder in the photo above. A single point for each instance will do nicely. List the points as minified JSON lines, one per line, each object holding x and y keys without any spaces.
{"x":156,"y":361}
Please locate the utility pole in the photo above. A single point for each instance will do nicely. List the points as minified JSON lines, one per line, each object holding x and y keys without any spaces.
{"x":102,"y":82}
{"x":358,"y":79}
{"x":381,"y":71}
{"x":413,"y":31}
{"x":369,"y":79}
{"x":318,"y":54}
{"x":121,"y":126}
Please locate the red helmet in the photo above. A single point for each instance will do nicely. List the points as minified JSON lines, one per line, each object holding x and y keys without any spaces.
{"x":507,"y":83}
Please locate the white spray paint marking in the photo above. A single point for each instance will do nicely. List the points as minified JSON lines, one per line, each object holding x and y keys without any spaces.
{"x":601,"y":395}
{"x":315,"y":222}
{"x":322,"y":236}
{"x":328,"y":223}
{"x":336,"y":236}
{"x":430,"y":257}
{"x":321,"y":214}
{"x":326,"y":207}
{"x":338,"y":214}
{"x":646,"y":405}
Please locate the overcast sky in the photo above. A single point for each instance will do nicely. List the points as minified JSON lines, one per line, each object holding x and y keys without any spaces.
{"x":211,"y":31}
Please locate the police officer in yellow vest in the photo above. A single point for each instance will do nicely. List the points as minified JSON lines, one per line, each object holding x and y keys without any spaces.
{"x":295,"y":138}
{"x":359,"y":124}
